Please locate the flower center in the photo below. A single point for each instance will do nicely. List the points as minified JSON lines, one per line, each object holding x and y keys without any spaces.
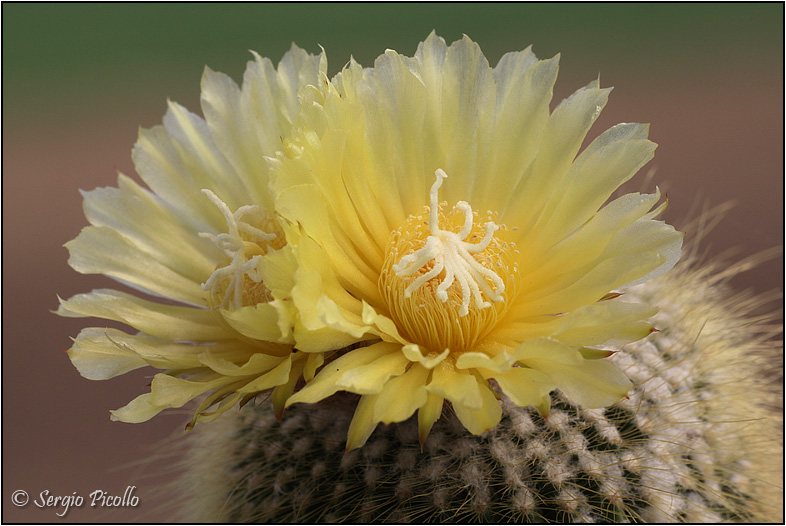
{"x":239,"y":283}
{"x":445,"y":280}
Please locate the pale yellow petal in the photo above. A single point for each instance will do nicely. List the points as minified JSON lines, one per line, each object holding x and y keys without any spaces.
{"x":373,"y":377}
{"x":232,"y":127}
{"x":484,"y":417}
{"x":131,"y":210}
{"x":590,"y":383}
{"x":414,"y":353}
{"x":170,"y":391}
{"x":655,"y":236}
{"x":260,"y":322}
{"x":105,"y":344}
{"x":398,"y":94}
{"x":277,"y":376}
{"x":589,"y":242}
{"x":500,"y":363}
{"x":322,"y":340}
{"x":101,"y":362}
{"x":161,"y":165}
{"x":282,"y":392}
{"x":562,"y":137}
{"x":248,"y":123}
{"x":202,"y":158}
{"x":325,"y":383}
{"x":306,"y":204}
{"x":323,"y":304}
{"x":584,"y":288}
{"x":257,"y":363}
{"x":363,"y":422}
{"x":457,"y":386}
{"x":163,"y":321}
{"x":613,"y":158}
{"x":307,"y":296}
{"x":609,"y":322}
{"x":101,"y":250}
{"x":428,"y":414}
{"x":223,"y":406}
{"x":402,"y":396}
{"x":140,"y":409}
{"x":313,"y":362}
{"x":526,"y":387}
{"x":386,"y":326}
{"x":468,"y":97}
{"x":524,"y":89}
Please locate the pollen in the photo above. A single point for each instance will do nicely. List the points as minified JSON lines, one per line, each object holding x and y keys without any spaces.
{"x":239,"y":282}
{"x":445,"y":277}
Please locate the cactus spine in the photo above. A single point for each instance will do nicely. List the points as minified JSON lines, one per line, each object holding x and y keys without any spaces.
{"x":697,"y":440}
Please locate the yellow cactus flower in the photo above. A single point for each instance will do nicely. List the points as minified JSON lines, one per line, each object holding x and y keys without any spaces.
{"x":206,"y":236}
{"x":451,"y":241}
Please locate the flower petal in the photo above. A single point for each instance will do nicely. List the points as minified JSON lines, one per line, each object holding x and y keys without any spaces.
{"x":363,"y":422}
{"x":500,"y":363}
{"x":306,"y":204}
{"x":526,"y":386}
{"x":283,"y":391}
{"x":247,"y":124}
{"x":170,"y":391}
{"x":589,"y":383}
{"x":414,"y":353}
{"x":608,"y":322}
{"x":485,"y":416}
{"x":373,"y":377}
{"x":101,"y":250}
{"x":101,"y":362}
{"x":260,"y":322}
{"x":313,"y":362}
{"x":103,"y":353}
{"x":562,"y":137}
{"x":203,"y":160}
{"x":428,"y":414}
{"x":256,"y":364}
{"x":130,"y":210}
{"x":273,"y":378}
{"x":610,"y":160}
{"x":140,"y":409}
{"x":588,"y":243}
{"x":325,"y":383}
{"x":458,"y":386}
{"x":524,"y":89}
{"x":162,"y":321}
{"x":402,"y":396}
{"x":613,"y":270}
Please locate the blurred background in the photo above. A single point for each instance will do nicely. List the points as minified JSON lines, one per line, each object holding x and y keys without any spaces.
{"x":80,"y":79}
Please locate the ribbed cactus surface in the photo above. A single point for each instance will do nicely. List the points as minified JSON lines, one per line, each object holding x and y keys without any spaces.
{"x":697,"y":440}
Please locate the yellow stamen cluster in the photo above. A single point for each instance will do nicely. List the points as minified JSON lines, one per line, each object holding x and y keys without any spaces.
{"x":239,"y":282}
{"x":438,"y":272}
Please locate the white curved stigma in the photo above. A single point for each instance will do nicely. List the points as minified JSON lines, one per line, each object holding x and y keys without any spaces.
{"x":452,"y":254}
{"x":244,"y":255}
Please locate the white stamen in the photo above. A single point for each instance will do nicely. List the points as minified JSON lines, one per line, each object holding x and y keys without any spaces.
{"x":452,"y":254}
{"x":233,"y":245}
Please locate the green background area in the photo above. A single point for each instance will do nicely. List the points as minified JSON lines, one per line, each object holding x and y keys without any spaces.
{"x":55,"y":55}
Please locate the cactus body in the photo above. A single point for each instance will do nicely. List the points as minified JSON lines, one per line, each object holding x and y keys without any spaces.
{"x":697,"y":440}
